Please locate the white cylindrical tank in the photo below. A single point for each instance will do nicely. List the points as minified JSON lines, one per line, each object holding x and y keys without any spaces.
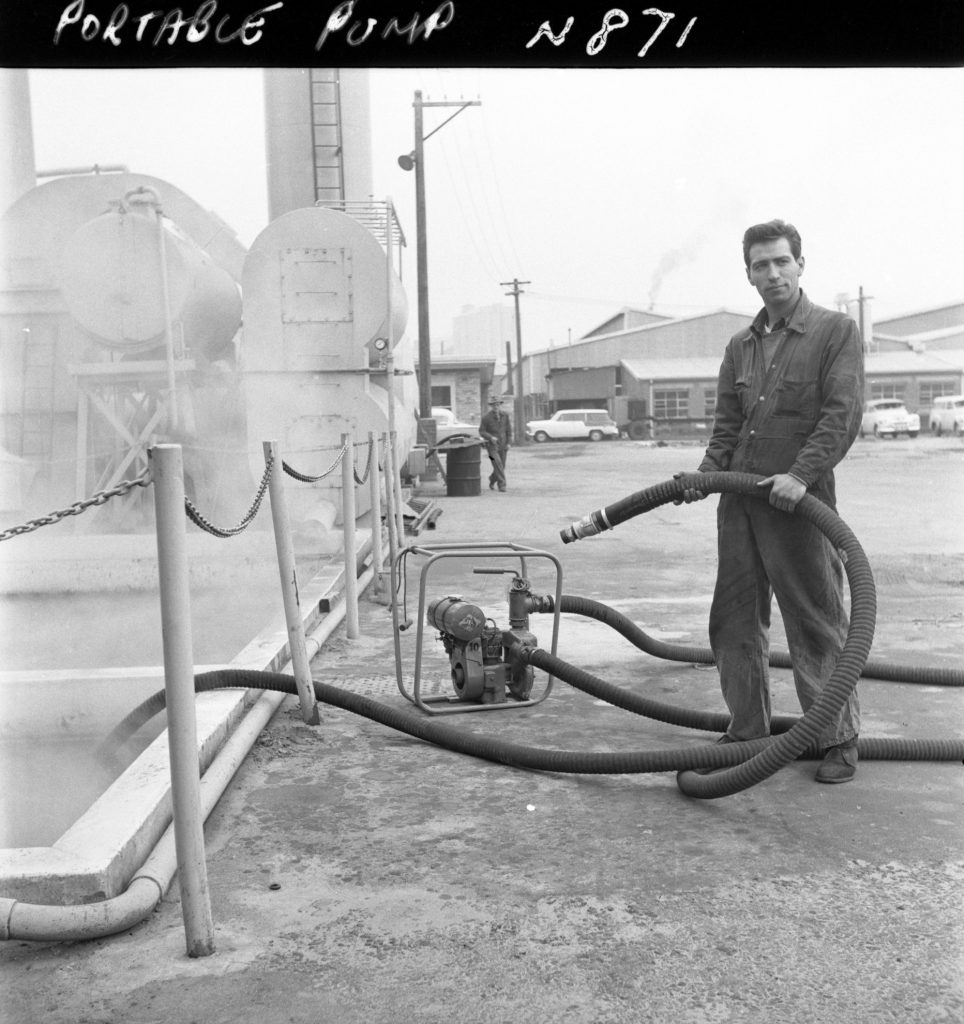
{"x":110,"y":278}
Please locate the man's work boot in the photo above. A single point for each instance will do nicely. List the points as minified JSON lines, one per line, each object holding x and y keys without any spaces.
{"x":839,"y":763}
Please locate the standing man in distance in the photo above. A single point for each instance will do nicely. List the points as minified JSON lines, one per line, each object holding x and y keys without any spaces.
{"x":496,"y":430}
{"x":789,"y":402}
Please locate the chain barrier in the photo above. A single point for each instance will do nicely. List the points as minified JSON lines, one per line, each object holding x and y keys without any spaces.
{"x":102,"y":497}
{"x":99,"y":498}
{"x":368,"y":465}
{"x":321,"y":476}
{"x":195,"y":516}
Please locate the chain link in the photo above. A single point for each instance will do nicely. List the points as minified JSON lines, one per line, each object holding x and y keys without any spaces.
{"x":368,"y":465}
{"x":99,"y":498}
{"x":321,"y":476}
{"x":195,"y":516}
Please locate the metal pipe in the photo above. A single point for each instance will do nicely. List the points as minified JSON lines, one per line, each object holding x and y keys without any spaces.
{"x":59,"y":172}
{"x":396,"y":485}
{"x":33,"y":922}
{"x":392,"y":554}
{"x":168,"y":472}
{"x":297,"y":650}
{"x":169,"y":353}
{"x":375,"y":486}
{"x":348,"y":529}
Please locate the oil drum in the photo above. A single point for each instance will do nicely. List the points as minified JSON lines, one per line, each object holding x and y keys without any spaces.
{"x":463,"y":472}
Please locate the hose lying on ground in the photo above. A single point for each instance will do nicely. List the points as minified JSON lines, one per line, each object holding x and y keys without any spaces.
{"x":793,"y":737}
{"x":518,"y":755}
{"x":885,"y":671}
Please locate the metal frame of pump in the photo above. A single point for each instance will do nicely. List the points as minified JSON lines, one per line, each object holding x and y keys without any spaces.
{"x":481,"y":671}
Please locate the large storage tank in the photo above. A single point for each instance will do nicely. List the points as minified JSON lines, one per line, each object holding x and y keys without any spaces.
{"x":88,"y":345}
{"x":316,"y":299}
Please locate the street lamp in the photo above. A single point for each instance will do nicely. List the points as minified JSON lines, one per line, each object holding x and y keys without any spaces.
{"x":415,"y":160}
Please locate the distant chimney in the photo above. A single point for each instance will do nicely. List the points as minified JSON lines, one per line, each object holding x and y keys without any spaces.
{"x":17,"y":170}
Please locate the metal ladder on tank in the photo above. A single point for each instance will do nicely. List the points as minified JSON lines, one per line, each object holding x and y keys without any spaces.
{"x":326,"y":135}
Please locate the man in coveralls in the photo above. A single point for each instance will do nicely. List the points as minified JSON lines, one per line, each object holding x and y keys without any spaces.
{"x":789,"y":404}
{"x":496,"y":430}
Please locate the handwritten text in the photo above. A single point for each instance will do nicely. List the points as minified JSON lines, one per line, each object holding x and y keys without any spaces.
{"x":612,"y":21}
{"x":147,"y":27}
{"x":358,"y":32}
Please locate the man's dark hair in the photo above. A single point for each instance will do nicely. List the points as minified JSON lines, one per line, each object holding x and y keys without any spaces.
{"x":770,"y":232}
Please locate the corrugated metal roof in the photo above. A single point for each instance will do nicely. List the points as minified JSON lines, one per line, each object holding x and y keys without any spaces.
{"x":949,"y":361}
{"x":694,"y":368}
{"x":707,"y":368}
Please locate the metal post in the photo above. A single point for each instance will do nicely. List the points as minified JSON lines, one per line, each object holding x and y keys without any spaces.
{"x":168,"y":331}
{"x":348,"y":529}
{"x":390,"y":349}
{"x":168,"y":475}
{"x":392,"y":538}
{"x":83,"y":408}
{"x":297,"y":650}
{"x":519,"y":426}
{"x":424,"y":340}
{"x":375,"y":485}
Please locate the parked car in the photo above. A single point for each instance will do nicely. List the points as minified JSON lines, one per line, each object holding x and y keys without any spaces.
{"x":447,"y":426}
{"x":947,"y":415}
{"x":888,"y":417}
{"x":571,"y":424}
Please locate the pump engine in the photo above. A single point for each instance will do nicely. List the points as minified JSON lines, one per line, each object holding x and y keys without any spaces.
{"x":478,"y":649}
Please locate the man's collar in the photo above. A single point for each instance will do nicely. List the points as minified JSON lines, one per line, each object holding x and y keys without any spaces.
{"x":795,"y":319}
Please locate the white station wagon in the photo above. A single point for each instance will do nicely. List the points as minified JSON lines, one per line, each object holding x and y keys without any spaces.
{"x":947,"y":415}
{"x":573,"y":424}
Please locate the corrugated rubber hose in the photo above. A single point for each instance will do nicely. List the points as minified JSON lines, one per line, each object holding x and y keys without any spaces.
{"x":745,"y":764}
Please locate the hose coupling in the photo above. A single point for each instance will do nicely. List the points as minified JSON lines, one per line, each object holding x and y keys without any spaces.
{"x":588,"y":526}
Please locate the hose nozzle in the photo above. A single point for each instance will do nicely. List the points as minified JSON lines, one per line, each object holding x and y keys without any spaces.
{"x":588,"y":526}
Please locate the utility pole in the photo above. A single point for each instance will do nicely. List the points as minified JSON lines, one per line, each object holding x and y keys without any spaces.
{"x":416,"y":160}
{"x":863,"y":320}
{"x":520,"y":426}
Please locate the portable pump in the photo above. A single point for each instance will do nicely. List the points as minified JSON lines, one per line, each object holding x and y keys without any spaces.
{"x":487,"y":667}
{"x":478,"y":649}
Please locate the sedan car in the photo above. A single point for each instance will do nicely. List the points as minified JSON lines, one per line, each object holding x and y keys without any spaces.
{"x":573,"y":424}
{"x":447,"y":426}
{"x":888,"y":417}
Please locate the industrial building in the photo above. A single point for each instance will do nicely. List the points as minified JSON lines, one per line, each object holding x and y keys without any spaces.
{"x":657,"y":375}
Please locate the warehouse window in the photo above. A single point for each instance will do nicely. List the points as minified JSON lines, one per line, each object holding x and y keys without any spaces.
{"x":709,"y":403}
{"x":887,"y":389}
{"x":441,"y":396}
{"x":671,"y":403}
{"x":931,"y":389}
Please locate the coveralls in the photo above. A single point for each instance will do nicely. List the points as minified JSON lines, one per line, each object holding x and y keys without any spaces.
{"x":799,"y":414}
{"x":495,"y":428}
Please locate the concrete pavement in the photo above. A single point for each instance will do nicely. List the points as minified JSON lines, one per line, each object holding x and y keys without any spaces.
{"x":357,"y":874}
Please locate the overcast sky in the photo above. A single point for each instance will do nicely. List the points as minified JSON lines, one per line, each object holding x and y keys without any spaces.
{"x":601,"y":188}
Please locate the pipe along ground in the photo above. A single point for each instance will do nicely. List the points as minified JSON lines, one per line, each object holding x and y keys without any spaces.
{"x":745,"y":763}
